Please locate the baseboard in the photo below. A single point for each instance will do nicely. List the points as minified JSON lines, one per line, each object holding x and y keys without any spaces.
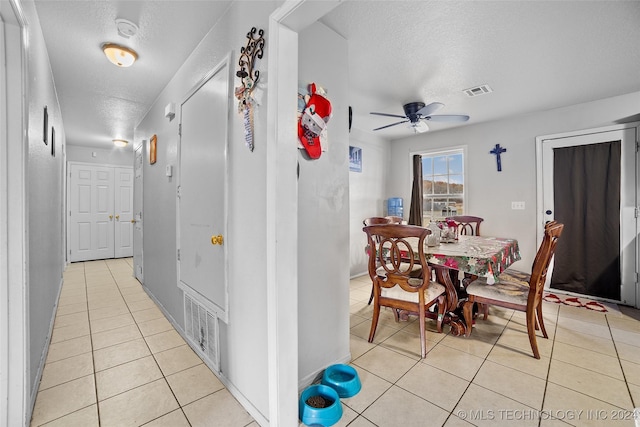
{"x":43,"y":357}
{"x":246,"y":404}
{"x":316,"y":376}
{"x":355,"y":276}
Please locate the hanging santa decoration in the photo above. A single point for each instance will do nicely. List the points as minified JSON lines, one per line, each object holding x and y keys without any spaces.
{"x":312,"y":124}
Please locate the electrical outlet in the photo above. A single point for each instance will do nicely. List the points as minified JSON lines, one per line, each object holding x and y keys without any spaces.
{"x":517,"y":205}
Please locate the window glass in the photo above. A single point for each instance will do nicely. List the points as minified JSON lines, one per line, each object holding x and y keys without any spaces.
{"x":443,"y":184}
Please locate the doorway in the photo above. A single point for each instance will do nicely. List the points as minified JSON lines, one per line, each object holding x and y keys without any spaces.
{"x":588,"y":182}
{"x":137,"y":214}
{"x":100,"y":212}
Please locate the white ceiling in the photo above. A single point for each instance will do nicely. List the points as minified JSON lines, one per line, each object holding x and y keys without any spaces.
{"x":535,"y":55}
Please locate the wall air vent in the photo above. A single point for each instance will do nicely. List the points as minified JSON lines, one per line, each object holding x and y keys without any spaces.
{"x":201,"y":328}
{"x":478,"y":90}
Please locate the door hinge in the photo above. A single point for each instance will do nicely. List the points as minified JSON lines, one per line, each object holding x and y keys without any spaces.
{"x":178,"y":191}
{"x":635,"y":212}
{"x":178,"y":254}
{"x":637,"y":146}
{"x":180,"y":129}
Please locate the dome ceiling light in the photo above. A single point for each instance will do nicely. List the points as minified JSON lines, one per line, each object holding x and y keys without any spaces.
{"x":119,"y":55}
{"x":120,"y":142}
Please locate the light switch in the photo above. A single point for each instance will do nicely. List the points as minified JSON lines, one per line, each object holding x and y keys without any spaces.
{"x":169,"y":170}
{"x":517,"y":205}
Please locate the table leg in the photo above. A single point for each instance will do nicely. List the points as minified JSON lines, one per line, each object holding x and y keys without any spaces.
{"x":443,"y":277}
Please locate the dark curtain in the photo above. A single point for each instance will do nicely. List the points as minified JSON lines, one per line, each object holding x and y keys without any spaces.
{"x":415,"y":210}
{"x":586,"y":188}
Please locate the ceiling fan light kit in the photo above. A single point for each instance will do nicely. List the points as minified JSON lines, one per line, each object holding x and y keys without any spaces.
{"x":416,"y":112}
{"x":120,"y":56}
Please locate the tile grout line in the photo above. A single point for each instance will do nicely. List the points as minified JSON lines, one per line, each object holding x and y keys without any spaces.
{"x":164,"y":377}
{"x":93,"y":360}
{"x":624,"y":375}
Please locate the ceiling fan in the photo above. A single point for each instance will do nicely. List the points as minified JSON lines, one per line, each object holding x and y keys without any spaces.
{"x":417,"y":113}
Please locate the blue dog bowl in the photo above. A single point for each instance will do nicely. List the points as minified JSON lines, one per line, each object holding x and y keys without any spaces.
{"x":320,"y":416}
{"x":343,"y":379}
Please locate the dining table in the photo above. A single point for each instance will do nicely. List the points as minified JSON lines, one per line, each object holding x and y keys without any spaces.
{"x":481,"y":256}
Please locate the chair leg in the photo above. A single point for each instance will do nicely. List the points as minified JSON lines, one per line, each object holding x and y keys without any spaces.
{"x":467,"y":311}
{"x":531,"y":330}
{"x":374,"y":321}
{"x":485,"y":311}
{"x":541,"y":321}
{"x":441,"y":306}
{"x":423,"y":340}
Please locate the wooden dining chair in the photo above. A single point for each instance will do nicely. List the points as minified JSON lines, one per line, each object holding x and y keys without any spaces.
{"x":375,"y":220}
{"x":517,"y":293}
{"x":395,"y":219}
{"x":393,"y":284}
{"x":467,"y":225}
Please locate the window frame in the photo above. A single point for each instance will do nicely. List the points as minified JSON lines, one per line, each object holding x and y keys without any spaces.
{"x":438,"y":152}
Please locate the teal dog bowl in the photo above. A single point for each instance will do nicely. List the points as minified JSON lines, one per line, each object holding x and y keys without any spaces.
{"x":343,"y":379}
{"x":313,"y":416}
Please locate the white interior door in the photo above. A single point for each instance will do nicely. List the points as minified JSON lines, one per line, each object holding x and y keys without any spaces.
{"x":629,"y":188}
{"x":123,"y":209}
{"x":91,"y":212}
{"x":202,"y":189}
{"x":137,"y":215}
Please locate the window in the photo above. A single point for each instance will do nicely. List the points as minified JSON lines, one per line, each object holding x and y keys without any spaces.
{"x":442,"y":184}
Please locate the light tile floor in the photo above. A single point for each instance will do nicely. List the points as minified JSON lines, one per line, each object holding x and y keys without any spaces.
{"x":589,"y":373}
{"x":115,"y":360}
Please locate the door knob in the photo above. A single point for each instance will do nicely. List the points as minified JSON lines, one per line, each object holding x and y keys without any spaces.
{"x":133,"y":221}
{"x":110,"y":217}
{"x":118,"y":217}
{"x":217,"y":240}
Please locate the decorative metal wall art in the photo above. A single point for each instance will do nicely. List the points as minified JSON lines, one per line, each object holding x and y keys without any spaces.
{"x":248,"y":80}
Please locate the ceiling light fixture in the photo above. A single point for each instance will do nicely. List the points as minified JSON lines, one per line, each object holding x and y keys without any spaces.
{"x":120,"y":142}
{"x":119,"y":55}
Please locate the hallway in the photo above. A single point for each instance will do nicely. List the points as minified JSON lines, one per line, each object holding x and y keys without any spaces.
{"x":115,"y":360}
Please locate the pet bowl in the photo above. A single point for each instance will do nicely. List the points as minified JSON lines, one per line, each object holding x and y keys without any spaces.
{"x":325,"y":417}
{"x":343,"y":379}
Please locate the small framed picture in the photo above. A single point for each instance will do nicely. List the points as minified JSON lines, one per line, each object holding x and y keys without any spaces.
{"x":53,"y":141}
{"x":152,"y":149}
{"x":355,"y":159}
{"x":45,"y":126}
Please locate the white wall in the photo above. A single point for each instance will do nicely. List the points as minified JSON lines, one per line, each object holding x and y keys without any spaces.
{"x":103,"y":156}
{"x":243,"y":341}
{"x":323,"y":213}
{"x":490,"y":193}
{"x":367,"y":193}
{"x":45,"y":202}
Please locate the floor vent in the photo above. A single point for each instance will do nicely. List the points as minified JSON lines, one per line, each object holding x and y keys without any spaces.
{"x":478,"y":90}
{"x":201,"y":328}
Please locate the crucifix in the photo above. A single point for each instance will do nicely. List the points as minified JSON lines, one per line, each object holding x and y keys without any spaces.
{"x":497,"y":151}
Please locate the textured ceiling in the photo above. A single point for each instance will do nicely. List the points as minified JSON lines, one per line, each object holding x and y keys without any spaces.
{"x":101,"y":102}
{"x":535,"y":55}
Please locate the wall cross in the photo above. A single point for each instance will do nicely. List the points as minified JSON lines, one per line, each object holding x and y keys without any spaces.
{"x":497,"y":151}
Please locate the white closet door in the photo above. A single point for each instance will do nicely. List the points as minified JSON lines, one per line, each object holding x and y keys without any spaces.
{"x":202,"y":238}
{"x":91,"y":212}
{"x":123,"y":208}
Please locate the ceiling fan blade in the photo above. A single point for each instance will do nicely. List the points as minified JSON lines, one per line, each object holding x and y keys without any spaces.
{"x":447,"y":118}
{"x":389,"y":115}
{"x":392,"y":124}
{"x":428,"y":109}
